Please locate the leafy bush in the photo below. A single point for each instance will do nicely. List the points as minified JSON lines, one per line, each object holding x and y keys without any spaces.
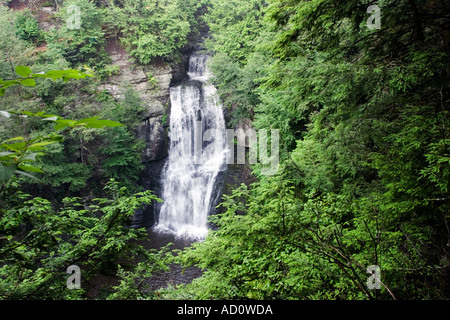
{"x":83,"y":45}
{"x":153,"y":28}
{"x":39,"y":239}
{"x":38,"y":243}
{"x":28,"y":27}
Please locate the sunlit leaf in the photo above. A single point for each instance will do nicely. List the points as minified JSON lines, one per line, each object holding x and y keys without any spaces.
{"x":15,"y":146}
{"x":50,"y":118}
{"x":15,"y":139}
{"x":28,"y":82}
{"x":102,"y":123}
{"x":30,"y":169}
{"x":39,"y":145}
{"x":23,"y":71}
{"x":82,"y":121}
{"x":60,"y":126}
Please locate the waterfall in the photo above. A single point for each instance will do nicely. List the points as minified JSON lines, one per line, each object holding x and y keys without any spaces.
{"x":197,"y":153}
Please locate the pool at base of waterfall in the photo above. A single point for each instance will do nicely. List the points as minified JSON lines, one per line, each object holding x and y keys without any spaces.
{"x":187,"y":231}
{"x":175,"y":275}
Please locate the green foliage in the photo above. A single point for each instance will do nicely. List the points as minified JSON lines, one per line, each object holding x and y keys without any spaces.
{"x":236,"y":64}
{"x":234,"y":27}
{"x":61,"y":157}
{"x":124,"y":157}
{"x":133,"y":283}
{"x":63,"y":170}
{"x":364,"y":175}
{"x":13,"y":50}
{"x":39,"y":239}
{"x":18,"y":152}
{"x":108,"y":71}
{"x":91,"y":235}
{"x":61,"y":173}
{"x":153,"y":28}
{"x":28,"y":77}
{"x":152,"y":81}
{"x":83,"y":45}
{"x":28,"y":27}
{"x":128,"y":111}
{"x":120,"y":148}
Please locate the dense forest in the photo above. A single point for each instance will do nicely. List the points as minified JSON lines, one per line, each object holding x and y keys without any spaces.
{"x":358,"y":91}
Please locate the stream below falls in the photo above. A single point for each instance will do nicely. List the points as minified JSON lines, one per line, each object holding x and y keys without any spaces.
{"x":175,"y":275}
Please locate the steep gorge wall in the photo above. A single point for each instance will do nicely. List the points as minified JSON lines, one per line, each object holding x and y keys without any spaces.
{"x":152,"y":84}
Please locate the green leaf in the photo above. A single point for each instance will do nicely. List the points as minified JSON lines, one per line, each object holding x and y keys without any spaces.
{"x":27,"y":113}
{"x":8,"y":83}
{"x":26,"y":174}
{"x":6,"y":154}
{"x":60,"y":126}
{"x":15,"y":139}
{"x":39,"y":145}
{"x":102,"y":123}
{"x":67,"y":74}
{"x":28,"y":82}
{"x":30,"y":169}
{"x":83,"y":121}
{"x":57,"y":73}
{"x":30,"y":157}
{"x":6,"y":172}
{"x":63,"y":123}
{"x":15,"y":146}
{"x":23,"y":71}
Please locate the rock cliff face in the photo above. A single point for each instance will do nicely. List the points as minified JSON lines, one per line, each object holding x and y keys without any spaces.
{"x":152,"y":83}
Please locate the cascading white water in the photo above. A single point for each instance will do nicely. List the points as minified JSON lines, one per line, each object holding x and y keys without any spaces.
{"x":196,"y":155}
